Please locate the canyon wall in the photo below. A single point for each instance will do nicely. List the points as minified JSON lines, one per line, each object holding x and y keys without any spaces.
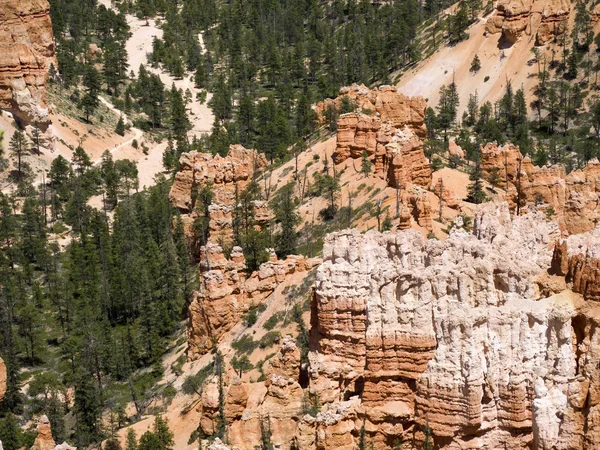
{"x":26,"y":53}
{"x":543,"y":19}
{"x":227,"y":292}
{"x":574,"y":199}
{"x":488,"y":340}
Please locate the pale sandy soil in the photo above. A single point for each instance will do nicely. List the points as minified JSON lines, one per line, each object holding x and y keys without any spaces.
{"x":515,"y":64}
{"x":138,"y":47}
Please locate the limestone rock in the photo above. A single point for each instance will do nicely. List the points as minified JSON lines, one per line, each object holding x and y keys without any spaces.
{"x":572,"y":200}
{"x":224,"y":173}
{"x":389,"y":104}
{"x":26,"y":53}
{"x":577,"y":258}
{"x":44,"y":439}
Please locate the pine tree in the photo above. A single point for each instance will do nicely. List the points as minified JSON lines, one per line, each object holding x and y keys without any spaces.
{"x":476,"y":193}
{"x":120,"y":128}
{"x":285,"y":205}
{"x":19,"y":148}
{"x":366,"y":165}
{"x":91,"y":81}
{"x":475,"y":64}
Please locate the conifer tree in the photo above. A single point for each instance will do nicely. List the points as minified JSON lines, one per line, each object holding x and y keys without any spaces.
{"x":19,"y":148}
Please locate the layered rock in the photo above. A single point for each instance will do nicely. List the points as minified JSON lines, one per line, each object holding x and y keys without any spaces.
{"x":386,"y":102}
{"x":543,"y":19}
{"x":227,"y":293}
{"x":457,"y":335}
{"x":26,"y":54}
{"x":577,"y":258}
{"x":2,"y":379}
{"x":572,"y":198}
{"x":227,"y":176}
{"x":469,"y":337}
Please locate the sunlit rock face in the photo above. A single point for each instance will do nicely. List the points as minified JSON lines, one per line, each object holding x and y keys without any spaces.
{"x":26,"y":54}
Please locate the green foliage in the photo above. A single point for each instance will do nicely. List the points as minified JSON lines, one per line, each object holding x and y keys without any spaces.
{"x":244,"y":345}
{"x":476,"y":193}
{"x":285,"y":205}
{"x":270,"y":339}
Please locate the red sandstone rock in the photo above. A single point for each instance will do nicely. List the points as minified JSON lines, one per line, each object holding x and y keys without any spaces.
{"x":2,"y":379}
{"x":574,"y":198}
{"x":226,"y":293}
{"x":44,"y":439}
{"x":26,"y":53}
{"x":544,"y":19}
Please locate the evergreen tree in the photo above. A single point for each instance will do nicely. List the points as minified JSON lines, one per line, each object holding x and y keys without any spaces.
{"x":476,"y":193}
{"x":120,"y":128}
{"x":366,"y":166}
{"x":285,"y":205}
{"x":18,"y":149}
{"x":91,"y":81}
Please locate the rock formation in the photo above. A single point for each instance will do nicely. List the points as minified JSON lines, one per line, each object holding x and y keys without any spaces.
{"x":577,"y":258}
{"x":543,"y":19}
{"x":44,"y":439}
{"x":226,"y":175}
{"x":573,"y":198}
{"x":456,"y":335}
{"x":2,"y":379}
{"x":26,"y":54}
{"x":389,"y":127}
{"x":389,"y":104}
{"x":227,"y":293}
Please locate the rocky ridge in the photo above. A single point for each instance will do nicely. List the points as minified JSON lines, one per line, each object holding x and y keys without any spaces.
{"x":461,"y":336}
{"x":26,"y":54}
{"x":542,"y":19}
{"x":573,"y":198}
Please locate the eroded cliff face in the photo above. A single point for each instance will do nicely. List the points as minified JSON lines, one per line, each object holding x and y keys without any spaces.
{"x":226,"y":175}
{"x":457,"y":335}
{"x":26,"y":53}
{"x":574,"y":198}
{"x":389,"y":127}
{"x":478,"y":338}
{"x":543,"y":19}
{"x":227,"y":293}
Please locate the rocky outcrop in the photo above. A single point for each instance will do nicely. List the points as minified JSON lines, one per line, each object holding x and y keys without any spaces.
{"x":476,"y":337}
{"x":2,"y":379}
{"x":26,"y":54}
{"x":457,"y":336}
{"x":388,"y":127}
{"x":227,"y":293}
{"x":386,"y":102}
{"x":577,"y":258}
{"x":44,"y":439}
{"x":227,"y":176}
{"x":543,"y":19}
{"x":573,"y":199}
